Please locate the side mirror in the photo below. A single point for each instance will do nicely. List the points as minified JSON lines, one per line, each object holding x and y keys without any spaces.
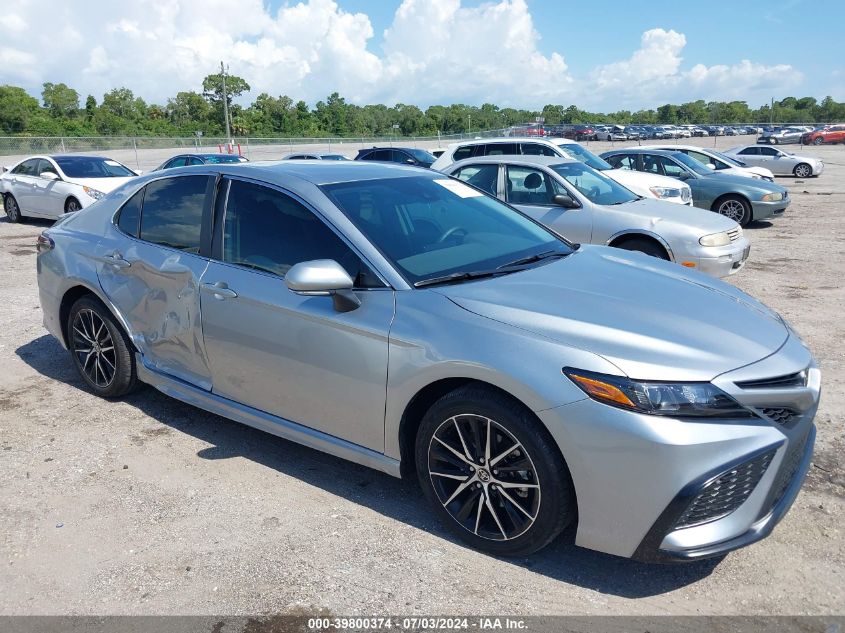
{"x":323,"y":278}
{"x":410,"y":161}
{"x":562,"y":200}
{"x":711,"y":166}
{"x":683,"y":176}
{"x":49,"y":175}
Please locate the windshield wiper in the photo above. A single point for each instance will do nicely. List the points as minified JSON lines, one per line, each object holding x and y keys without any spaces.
{"x":465,"y":275}
{"x":536,"y":258}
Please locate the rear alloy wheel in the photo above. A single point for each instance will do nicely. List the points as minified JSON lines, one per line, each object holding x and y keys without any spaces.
{"x":72,"y":205}
{"x":13,"y":211}
{"x":492,"y":473}
{"x":735,"y":208}
{"x":101,"y":351}
{"x":648,"y":247}
{"x":802,"y":170}
{"x":818,"y":140}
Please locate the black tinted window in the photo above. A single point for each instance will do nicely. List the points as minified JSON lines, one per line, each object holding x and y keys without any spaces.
{"x":176,"y":162}
{"x":129,"y":219}
{"x":484,"y":177}
{"x":398,"y":156}
{"x":269,"y":231}
{"x":768,"y":151}
{"x":26,"y":168}
{"x":172,"y":212}
{"x":749,"y":151}
{"x":462,"y":152}
{"x":45,"y":165}
{"x":500,"y":149}
{"x":535,"y":149}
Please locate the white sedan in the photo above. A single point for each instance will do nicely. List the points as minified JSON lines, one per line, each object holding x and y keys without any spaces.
{"x":49,"y":186}
{"x":718,"y":162}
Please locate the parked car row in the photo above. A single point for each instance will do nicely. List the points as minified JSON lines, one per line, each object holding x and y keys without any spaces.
{"x":617,"y":132}
{"x":443,"y":328}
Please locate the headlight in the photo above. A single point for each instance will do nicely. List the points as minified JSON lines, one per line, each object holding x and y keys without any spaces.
{"x":93,"y":193}
{"x":683,"y":400}
{"x":772,"y":197}
{"x":665,"y":192}
{"x":716,"y":239}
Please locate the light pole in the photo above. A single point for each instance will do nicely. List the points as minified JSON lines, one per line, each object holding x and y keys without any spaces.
{"x":225,"y":104}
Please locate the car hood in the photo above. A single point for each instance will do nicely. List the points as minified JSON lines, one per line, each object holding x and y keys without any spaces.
{"x":661,"y":210}
{"x":652,"y":319}
{"x":746,"y":183}
{"x":100,"y":184}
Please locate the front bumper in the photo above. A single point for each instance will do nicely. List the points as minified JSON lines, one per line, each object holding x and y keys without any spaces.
{"x":762,"y":210}
{"x":727,"y":261}
{"x":636,"y":475}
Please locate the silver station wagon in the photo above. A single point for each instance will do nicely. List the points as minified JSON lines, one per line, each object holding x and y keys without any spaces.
{"x":584,"y":205}
{"x":402,"y":319}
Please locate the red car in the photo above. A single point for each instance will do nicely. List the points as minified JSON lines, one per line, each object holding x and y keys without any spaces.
{"x":830,"y":134}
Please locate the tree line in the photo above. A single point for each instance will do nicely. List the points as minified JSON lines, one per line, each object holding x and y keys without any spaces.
{"x":61,"y":112}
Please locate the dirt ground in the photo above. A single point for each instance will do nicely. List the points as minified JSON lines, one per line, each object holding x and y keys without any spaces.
{"x":151,"y":506}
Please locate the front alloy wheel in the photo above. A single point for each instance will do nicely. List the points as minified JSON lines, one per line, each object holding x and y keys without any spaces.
{"x":483,"y":477}
{"x":492,"y":472}
{"x":803,"y":170}
{"x":736,"y":209}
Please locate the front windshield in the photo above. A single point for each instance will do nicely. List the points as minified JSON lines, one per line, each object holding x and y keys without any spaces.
{"x":730,"y":161}
{"x":593,"y":185}
{"x":580,"y":153}
{"x":422,"y":156}
{"x":92,"y":167}
{"x":429,"y":227}
{"x":693,"y":164}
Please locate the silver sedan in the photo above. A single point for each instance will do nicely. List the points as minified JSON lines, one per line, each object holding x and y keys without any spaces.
{"x":401,"y":319}
{"x":778,"y":161}
{"x":586,"y":206}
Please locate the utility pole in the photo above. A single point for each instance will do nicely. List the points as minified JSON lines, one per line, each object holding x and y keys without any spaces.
{"x":469,"y":124}
{"x":225,"y":103}
{"x":772,"y":113}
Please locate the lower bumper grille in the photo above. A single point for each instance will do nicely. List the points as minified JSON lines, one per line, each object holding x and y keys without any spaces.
{"x":782,"y":416}
{"x":725,"y":493}
{"x":791,"y":462}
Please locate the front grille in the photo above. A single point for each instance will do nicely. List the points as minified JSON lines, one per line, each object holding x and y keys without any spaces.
{"x":735,"y":234}
{"x":798,"y":379}
{"x":726,"y":493}
{"x":791,"y":462}
{"x":783,"y":416}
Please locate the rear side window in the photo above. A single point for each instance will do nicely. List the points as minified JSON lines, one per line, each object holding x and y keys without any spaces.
{"x":129,"y":219}
{"x":462,"y":153}
{"x":622,"y":161}
{"x":26,"y":168}
{"x":535,"y":149}
{"x":177,"y":162}
{"x":499,"y":149}
{"x":172,"y":212}
{"x":485,"y":177}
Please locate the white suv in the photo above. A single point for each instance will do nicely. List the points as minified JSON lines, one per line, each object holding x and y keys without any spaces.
{"x":642,"y":184}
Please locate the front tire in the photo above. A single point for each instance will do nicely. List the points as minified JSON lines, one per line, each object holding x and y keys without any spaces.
{"x":13,"y":211}
{"x":735,"y":208}
{"x":492,"y":473}
{"x":818,"y":140}
{"x":72,"y":205}
{"x":773,"y":141}
{"x":802,"y":170}
{"x":101,"y":351}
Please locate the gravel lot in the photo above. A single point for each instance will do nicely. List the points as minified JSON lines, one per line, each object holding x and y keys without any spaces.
{"x":151,"y":506}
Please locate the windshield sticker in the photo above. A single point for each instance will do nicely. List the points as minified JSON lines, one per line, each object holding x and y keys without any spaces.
{"x":459,"y":188}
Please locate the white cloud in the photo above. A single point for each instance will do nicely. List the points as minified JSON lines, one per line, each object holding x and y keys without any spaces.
{"x":435,"y":51}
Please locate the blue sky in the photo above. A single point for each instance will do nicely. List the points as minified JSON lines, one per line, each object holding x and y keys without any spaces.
{"x":519,"y":53}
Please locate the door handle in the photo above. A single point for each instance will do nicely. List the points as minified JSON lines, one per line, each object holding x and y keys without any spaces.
{"x":116,"y":260}
{"x":220,"y":290}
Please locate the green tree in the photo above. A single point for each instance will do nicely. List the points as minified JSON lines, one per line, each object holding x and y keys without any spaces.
{"x":90,"y":107}
{"x":16,"y":109}
{"x":60,"y":100}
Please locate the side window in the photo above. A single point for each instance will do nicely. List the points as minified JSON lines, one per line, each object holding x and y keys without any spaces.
{"x":500,"y":149}
{"x":129,"y":220}
{"x":535,"y":149}
{"x":177,"y":162}
{"x":670,"y":167}
{"x":768,"y":151}
{"x":266,"y":230}
{"x":528,"y":186}
{"x":26,"y":168}
{"x":398,"y":156}
{"x":485,"y":177}
{"x":622,"y":161}
{"x":651,"y":164}
{"x":749,"y":151}
{"x":172,"y":212}
{"x":45,"y":165}
{"x":192,"y":160}
{"x":462,"y":153}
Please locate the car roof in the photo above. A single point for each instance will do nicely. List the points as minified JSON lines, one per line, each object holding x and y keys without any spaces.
{"x":552,"y":140}
{"x":316,"y":172}
{"x":642,"y":150}
{"x":678,"y":148}
{"x":522,"y":159}
{"x":367,"y":149}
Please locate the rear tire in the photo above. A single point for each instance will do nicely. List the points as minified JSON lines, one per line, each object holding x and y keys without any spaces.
{"x":735,"y":208}
{"x":818,"y":140}
{"x":101,"y":350}
{"x":509,"y":494}
{"x":802,"y":170}
{"x":773,"y":141}
{"x":644,"y":245}
{"x":13,"y":211}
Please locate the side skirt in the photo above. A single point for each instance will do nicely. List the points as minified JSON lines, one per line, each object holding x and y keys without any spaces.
{"x":263,"y":421}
